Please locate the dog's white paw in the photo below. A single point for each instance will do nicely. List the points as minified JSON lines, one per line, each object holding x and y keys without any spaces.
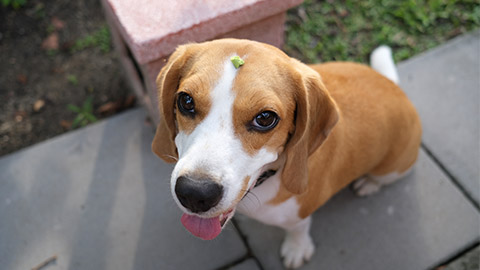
{"x":296,"y":249}
{"x":366,"y":186}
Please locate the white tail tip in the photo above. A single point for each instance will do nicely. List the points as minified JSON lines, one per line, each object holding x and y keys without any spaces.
{"x":382,"y":61}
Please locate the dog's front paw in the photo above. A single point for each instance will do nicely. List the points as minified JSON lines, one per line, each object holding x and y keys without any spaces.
{"x":296,"y":249}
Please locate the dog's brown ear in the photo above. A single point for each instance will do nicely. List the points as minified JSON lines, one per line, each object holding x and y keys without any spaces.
{"x":168,"y":80}
{"x":315,"y":116}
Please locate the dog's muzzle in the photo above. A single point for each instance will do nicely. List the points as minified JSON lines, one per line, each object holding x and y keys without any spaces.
{"x":199,"y":195}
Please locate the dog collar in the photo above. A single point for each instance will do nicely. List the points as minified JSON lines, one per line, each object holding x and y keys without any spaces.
{"x":264,"y":176}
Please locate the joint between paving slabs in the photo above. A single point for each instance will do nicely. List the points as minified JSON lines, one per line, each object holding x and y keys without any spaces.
{"x":249,"y":254}
{"x":450,"y":176}
{"x":456,"y":256}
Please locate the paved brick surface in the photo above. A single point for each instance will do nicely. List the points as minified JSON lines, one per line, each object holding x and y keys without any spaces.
{"x":99,"y":199}
{"x":444,"y":84}
{"x":414,"y":224}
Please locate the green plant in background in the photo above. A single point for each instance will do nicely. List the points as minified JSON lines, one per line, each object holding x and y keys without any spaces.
{"x":100,"y":38}
{"x":72,"y":79}
{"x":16,"y":4}
{"x":50,"y":28}
{"x":320,"y":31}
{"x":84,"y":113}
{"x":52,"y":53}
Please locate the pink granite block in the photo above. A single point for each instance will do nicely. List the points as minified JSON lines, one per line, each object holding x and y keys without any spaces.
{"x":150,"y":71}
{"x":269,"y":30}
{"x":126,"y":61}
{"x":153,"y":29}
{"x":134,"y":77}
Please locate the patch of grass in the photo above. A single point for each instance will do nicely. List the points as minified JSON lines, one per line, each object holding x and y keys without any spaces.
{"x":320,"y":31}
{"x":84,"y":113}
{"x":100,"y":38}
{"x":16,"y":4}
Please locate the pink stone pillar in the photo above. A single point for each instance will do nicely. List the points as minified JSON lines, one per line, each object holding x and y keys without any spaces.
{"x":146,"y":32}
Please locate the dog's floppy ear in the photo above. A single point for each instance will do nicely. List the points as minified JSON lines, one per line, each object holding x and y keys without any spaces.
{"x":168,"y":80}
{"x":315,"y":116}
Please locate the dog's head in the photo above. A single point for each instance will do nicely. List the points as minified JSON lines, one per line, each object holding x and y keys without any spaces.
{"x":226,"y":126}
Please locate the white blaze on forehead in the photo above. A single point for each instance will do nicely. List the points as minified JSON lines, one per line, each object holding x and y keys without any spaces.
{"x":218,"y":122}
{"x":213,"y":148}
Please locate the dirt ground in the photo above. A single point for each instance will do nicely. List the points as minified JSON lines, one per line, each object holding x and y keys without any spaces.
{"x":45,"y":67}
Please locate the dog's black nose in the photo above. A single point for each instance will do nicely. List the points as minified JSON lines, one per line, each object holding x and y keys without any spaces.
{"x":198,"y":195}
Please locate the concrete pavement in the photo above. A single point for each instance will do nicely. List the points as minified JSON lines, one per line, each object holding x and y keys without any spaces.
{"x":97,"y":198}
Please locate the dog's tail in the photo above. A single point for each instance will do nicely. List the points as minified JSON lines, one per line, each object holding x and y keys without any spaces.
{"x":382,"y":61}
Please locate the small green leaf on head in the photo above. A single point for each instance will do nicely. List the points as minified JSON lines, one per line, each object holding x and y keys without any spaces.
{"x":237,"y":61}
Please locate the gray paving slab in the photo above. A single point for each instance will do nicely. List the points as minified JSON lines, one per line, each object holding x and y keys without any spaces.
{"x":444,"y":84}
{"x":416,"y":223}
{"x":249,"y":264}
{"x":99,"y":199}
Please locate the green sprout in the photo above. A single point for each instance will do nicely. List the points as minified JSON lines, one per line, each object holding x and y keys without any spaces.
{"x":72,"y":79}
{"x":84,"y":113}
{"x":100,"y":38}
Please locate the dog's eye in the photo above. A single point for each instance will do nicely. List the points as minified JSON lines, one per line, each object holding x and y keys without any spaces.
{"x":185,"y":104}
{"x":265,"y":121}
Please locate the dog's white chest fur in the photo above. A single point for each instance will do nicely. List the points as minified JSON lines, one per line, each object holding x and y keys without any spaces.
{"x":256,"y":205}
{"x":298,"y":244}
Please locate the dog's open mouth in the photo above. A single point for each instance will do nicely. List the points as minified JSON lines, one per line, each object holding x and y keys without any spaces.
{"x":206,"y":228}
{"x":209,"y":228}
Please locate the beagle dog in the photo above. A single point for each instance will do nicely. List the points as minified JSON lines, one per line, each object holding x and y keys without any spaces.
{"x":274,"y":138}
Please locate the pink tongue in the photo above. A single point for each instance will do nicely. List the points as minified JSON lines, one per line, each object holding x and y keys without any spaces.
{"x":205,"y":228}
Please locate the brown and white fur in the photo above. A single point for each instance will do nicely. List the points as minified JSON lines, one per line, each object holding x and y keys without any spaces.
{"x":338,"y":122}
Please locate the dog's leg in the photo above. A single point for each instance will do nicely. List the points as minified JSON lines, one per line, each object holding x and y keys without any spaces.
{"x":298,"y":245}
{"x":371,"y":184}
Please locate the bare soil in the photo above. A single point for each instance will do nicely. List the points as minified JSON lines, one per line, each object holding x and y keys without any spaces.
{"x":39,"y":79}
